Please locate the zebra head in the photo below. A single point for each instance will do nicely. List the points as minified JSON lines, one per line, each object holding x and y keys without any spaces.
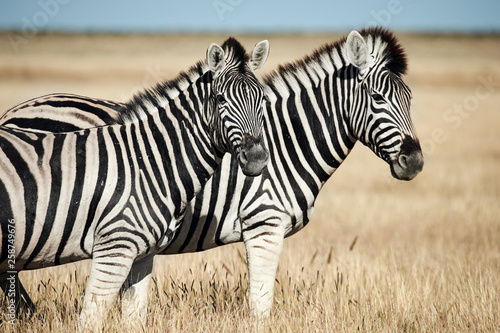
{"x":236,"y":103}
{"x":383,"y":99}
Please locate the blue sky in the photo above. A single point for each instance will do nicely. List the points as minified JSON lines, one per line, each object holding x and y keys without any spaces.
{"x":252,"y":16}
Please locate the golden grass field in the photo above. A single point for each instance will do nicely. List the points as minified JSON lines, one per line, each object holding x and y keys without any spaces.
{"x":427,"y":252}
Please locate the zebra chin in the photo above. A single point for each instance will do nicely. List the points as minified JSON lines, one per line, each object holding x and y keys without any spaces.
{"x":409,"y":162}
{"x":252,"y":156}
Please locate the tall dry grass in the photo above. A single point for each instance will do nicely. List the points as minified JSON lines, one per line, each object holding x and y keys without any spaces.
{"x":378,"y":255}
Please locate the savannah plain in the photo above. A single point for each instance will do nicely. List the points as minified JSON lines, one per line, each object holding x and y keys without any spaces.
{"x":379,"y":255}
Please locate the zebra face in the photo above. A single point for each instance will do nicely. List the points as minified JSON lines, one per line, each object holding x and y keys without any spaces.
{"x":389,"y":129}
{"x":236,"y":107}
{"x":384,"y":123}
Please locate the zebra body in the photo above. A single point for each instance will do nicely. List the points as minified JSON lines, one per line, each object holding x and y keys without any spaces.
{"x":116,"y":193}
{"x":315,"y":111}
{"x":90,"y":179}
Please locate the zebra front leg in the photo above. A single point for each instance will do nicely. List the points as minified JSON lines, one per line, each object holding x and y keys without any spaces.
{"x":263,"y":243}
{"x":135,"y":291}
{"x":107,"y":275}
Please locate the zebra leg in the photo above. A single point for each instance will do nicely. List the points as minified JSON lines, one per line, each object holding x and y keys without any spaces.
{"x":107,"y":275}
{"x":263,"y":243}
{"x":135,"y":291}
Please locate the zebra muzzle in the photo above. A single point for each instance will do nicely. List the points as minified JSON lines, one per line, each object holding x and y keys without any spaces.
{"x":409,"y":161}
{"x":253,"y":157}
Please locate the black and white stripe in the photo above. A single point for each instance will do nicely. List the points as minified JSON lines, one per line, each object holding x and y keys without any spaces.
{"x":117,"y":193}
{"x":315,"y":111}
{"x":58,"y":113}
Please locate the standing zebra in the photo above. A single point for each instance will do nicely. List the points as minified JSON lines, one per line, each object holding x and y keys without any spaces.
{"x":117,"y":193}
{"x":316,"y":109}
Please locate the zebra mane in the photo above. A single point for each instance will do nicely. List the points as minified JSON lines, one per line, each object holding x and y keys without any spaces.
{"x":388,"y":50}
{"x":392,"y":54}
{"x":147,"y":102}
{"x":236,"y":53}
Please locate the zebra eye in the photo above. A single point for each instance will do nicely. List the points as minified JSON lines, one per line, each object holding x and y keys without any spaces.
{"x":220,"y":99}
{"x":378,"y":98}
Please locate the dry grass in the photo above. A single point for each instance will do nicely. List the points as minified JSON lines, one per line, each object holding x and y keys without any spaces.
{"x":427,"y":252}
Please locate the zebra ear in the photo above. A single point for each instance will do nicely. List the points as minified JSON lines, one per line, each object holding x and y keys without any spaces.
{"x":357,"y":51}
{"x":259,"y":55}
{"x":216,"y":58}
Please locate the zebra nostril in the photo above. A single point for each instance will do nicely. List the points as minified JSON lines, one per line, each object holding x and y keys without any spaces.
{"x":403,"y":161}
{"x":243,"y":157}
{"x":408,"y":165}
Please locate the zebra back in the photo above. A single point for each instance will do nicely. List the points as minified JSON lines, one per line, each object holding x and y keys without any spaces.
{"x":58,"y":113}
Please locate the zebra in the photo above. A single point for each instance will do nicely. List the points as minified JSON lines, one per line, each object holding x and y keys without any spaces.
{"x":116,"y":194}
{"x":316,"y":109}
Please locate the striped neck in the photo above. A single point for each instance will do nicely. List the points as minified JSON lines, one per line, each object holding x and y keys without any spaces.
{"x":179,"y":153}
{"x":307,"y":114}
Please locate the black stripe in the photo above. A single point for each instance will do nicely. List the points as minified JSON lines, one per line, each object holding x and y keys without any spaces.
{"x":205,"y":220}
{"x":143,"y":205}
{"x":123,"y":239}
{"x":230,"y":196}
{"x":74,"y":103}
{"x":76,"y":196}
{"x":305,"y":143}
{"x":102,"y":175}
{"x":203,"y":144}
{"x":42,"y":124}
{"x":290,"y":150}
{"x":261,"y":224}
{"x":122,"y":176}
{"x":30,"y":188}
{"x":191,"y":219}
{"x":182,"y":174}
{"x":273,"y":140}
{"x":108,"y":272}
{"x":140,"y":193}
{"x":112,"y":247}
{"x":165,"y":159}
{"x":152,"y":158}
{"x":55,"y":192}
